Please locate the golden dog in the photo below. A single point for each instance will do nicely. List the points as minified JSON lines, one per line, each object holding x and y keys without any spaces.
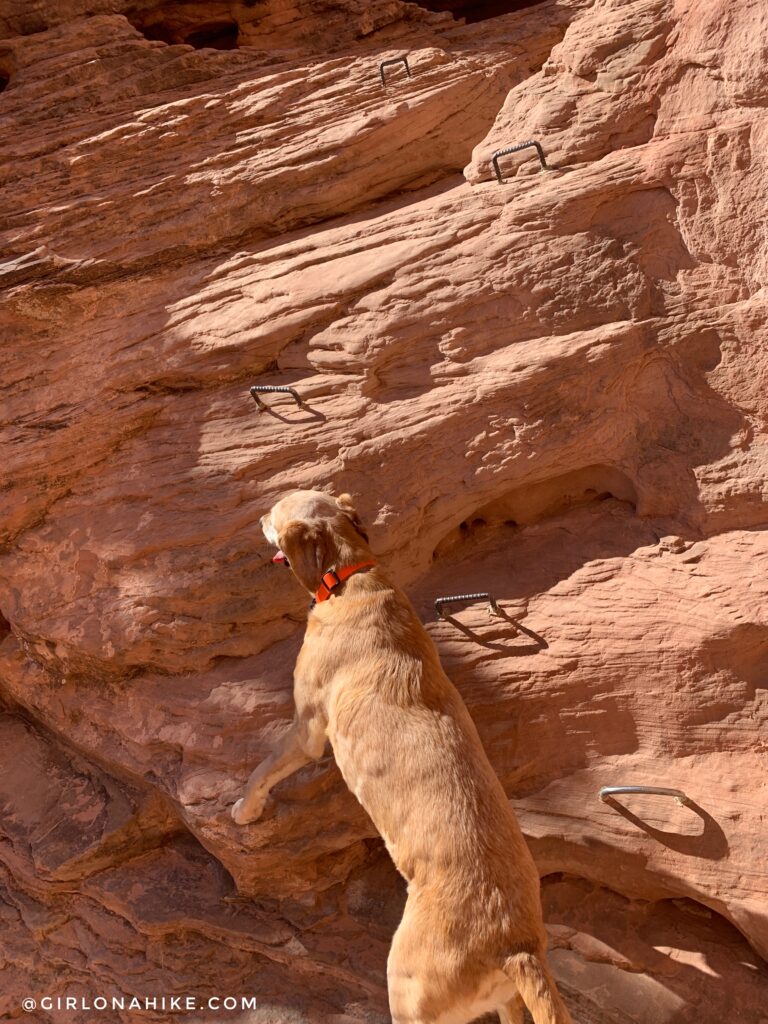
{"x":368,"y":679}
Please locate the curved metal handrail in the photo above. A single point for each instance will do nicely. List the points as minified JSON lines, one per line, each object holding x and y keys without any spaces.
{"x":440,"y":601}
{"x":515,"y":149}
{"x":388,"y":63}
{"x":265,"y":388}
{"x":608,"y":791}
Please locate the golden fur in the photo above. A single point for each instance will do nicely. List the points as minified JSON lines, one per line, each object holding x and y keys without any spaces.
{"x":368,"y":679}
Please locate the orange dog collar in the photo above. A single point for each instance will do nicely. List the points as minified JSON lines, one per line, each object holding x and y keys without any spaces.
{"x":333,"y":578}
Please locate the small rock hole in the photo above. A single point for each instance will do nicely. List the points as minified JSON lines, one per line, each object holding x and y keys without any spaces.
{"x":4,"y":80}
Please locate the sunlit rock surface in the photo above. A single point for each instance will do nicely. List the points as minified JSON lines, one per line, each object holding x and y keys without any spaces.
{"x":552,"y":389}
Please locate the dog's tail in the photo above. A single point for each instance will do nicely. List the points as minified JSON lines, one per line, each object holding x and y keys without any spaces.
{"x":537,"y":988}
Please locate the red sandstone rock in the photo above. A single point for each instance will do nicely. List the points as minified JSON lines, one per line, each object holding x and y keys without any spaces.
{"x":553,"y":389}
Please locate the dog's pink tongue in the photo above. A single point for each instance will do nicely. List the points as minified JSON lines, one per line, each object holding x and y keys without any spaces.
{"x":279,"y":558}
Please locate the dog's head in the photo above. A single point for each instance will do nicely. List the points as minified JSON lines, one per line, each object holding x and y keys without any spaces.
{"x":313,"y":532}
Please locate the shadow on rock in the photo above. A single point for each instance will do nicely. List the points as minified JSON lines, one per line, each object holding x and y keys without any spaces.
{"x":507,"y":647}
{"x":710,"y":843}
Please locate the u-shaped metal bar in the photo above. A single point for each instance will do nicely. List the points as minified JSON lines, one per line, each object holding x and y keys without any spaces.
{"x":388,"y":63}
{"x":440,"y":601}
{"x":514,"y":149}
{"x":258,"y":389}
{"x":608,"y":791}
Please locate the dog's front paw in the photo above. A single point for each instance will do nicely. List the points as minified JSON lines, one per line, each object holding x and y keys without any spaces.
{"x":243,"y":814}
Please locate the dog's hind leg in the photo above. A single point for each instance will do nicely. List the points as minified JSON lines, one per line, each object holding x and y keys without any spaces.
{"x":422,"y":989}
{"x":513,"y":1012}
{"x":407,"y":970}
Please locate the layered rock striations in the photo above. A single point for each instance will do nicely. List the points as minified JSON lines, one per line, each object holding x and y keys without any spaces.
{"x":552,"y":389}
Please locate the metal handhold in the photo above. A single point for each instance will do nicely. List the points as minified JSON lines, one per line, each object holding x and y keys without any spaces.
{"x":262,"y":388}
{"x":514,"y":149}
{"x":394,"y":60}
{"x":440,"y":601}
{"x":608,"y":791}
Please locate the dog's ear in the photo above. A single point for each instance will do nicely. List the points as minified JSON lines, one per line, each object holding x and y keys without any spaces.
{"x":308,"y":549}
{"x":345,"y":504}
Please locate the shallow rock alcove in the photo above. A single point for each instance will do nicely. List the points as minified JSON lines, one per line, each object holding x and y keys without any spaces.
{"x":181,"y":23}
{"x":477,"y":10}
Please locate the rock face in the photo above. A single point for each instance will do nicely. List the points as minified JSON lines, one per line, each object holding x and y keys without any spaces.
{"x":552,"y":389}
